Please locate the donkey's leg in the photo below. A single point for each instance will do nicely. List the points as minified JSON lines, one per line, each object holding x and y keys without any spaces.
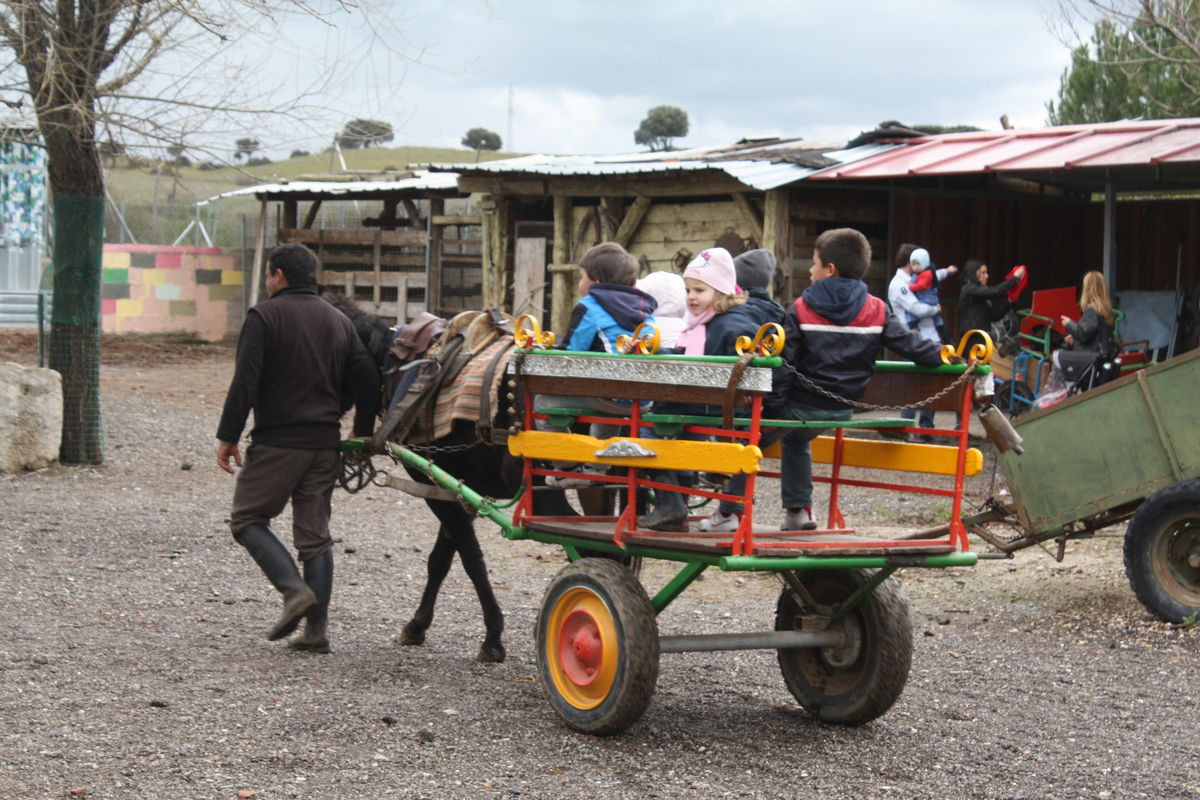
{"x":492,"y":649}
{"x":438,"y":565}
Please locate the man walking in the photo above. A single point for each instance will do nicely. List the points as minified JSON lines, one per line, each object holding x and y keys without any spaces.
{"x":300,"y":366}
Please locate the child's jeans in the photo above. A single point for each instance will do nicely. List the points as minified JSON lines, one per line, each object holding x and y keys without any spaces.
{"x":796,"y":484}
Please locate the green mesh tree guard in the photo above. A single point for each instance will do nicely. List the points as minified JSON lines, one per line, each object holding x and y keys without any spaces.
{"x":75,"y":323}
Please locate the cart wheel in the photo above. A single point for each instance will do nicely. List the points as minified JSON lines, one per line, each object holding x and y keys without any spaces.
{"x":1004,"y":400}
{"x":1162,"y":552}
{"x":597,"y":644}
{"x":863,"y":678}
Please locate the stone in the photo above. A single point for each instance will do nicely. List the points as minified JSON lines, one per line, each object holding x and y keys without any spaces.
{"x":31,"y":417}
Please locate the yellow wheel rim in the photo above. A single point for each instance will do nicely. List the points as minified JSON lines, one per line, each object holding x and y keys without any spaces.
{"x":582,"y":649}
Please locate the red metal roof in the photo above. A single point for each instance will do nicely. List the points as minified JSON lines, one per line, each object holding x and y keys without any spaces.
{"x":1068,"y":147}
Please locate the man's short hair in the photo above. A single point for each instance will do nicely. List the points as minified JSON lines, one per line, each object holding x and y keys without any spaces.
{"x":297,"y":262}
{"x":608,"y":262}
{"x":845,"y":248}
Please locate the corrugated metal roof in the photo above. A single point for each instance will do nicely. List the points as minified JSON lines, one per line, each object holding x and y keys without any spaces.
{"x":1068,"y":147}
{"x":759,"y":164}
{"x":421,"y":181}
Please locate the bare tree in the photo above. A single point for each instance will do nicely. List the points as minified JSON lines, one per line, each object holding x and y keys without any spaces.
{"x":141,"y":70}
{"x":1152,"y":45}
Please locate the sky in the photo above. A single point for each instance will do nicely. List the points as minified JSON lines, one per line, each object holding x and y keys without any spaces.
{"x":580,"y":75}
{"x":584,"y":73}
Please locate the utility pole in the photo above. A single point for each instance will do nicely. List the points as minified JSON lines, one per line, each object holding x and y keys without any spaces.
{"x":509,"y":140}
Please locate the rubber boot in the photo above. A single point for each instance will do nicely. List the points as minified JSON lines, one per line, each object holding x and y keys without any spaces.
{"x":318,"y":574}
{"x":276,"y":563}
{"x":670,"y":510}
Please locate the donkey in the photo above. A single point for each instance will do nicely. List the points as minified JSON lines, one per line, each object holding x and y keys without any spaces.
{"x":487,"y":468}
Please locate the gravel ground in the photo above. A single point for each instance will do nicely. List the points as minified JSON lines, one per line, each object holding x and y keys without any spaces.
{"x":134,"y":664}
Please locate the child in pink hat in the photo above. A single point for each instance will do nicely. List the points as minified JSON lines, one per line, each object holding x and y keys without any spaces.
{"x":712,"y":289}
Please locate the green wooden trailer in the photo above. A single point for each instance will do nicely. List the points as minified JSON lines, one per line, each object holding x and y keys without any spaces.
{"x":1128,"y":450}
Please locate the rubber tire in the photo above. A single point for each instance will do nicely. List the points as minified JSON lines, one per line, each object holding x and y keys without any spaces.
{"x":870,"y":684}
{"x":1163,"y":581}
{"x":632,"y":619}
{"x":1003,"y":398}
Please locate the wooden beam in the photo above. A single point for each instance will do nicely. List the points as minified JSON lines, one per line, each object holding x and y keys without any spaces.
{"x":612,"y":209}
{"x":433,"y":256}
{"x":562,"y":292}
{"x":257,"y":273}
{"x":694,"y":185}
{"x":529,"y":276}
{"x":777,"y":234}
{"x":291,"y":213}
{"x":632,"y":221}
{"x":366,"y":238}
{"x":454,"y":219}
{"x":414,"y":214}
{"x":591,"y":217}
{"x":311,"y":216}
{"x":750,"y":215}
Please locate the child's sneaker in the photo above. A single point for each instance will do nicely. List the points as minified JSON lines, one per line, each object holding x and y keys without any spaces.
{"x":720,"y":523}
{"x":799,"y":519}
{"x":578,"y":483}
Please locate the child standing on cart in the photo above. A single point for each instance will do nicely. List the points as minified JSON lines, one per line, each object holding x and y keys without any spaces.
{"x":834,"y":332}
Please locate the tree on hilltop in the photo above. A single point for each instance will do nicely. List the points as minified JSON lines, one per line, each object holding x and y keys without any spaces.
{"x":481,"y":139}
{"x":661,"y":126}
{"x":244,"y":148}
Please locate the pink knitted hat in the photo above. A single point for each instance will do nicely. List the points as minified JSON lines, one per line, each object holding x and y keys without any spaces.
{"x":714,"y":266}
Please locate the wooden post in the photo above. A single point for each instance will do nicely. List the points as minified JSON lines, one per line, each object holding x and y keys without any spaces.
{"x":750,"y":215}
{"x":529,"y":277}
{"x":777,"y":235}
{"x":256,"y":279}
{"x":291,"y":213}
{"x":495,"y":249}
{"x":1109,"y":254}
{"x":377,"y":263}
{"x":562,"y":292}
{"x":433,"y":257}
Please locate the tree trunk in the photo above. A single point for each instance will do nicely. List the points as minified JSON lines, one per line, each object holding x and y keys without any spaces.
{"x":77,"y":187}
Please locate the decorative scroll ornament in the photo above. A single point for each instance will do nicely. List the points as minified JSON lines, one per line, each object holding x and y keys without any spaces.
{"x":978,"y":353}
{"x":644,"y":341}
{"x":528,"y":333}
{"x":767,"y":342}
{"x":623,"y":448}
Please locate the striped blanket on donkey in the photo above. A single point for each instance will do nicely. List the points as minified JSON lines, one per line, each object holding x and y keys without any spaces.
{"x":466,"y":397}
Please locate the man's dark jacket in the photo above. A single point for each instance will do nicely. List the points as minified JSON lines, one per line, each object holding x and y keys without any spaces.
{"x":300,"y":366}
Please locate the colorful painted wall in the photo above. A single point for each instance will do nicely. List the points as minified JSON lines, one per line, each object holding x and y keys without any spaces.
{"x":168,"y":289}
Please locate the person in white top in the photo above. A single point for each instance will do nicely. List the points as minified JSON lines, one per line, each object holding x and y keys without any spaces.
{"x":905,"y":306}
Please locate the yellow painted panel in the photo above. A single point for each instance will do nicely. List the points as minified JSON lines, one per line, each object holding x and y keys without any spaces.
{"x":153,"y":277}
{"x":115,"y":260}
{"x":899,"y":456}
{"x":669,"y":453}
{"x":129,"y":308}
{"x":231,"y":277}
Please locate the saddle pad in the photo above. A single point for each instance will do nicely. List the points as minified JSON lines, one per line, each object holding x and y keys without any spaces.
{"x":460,"y":399}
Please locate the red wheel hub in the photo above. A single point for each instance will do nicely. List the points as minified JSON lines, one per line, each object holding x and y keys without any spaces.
{"x":580,"y":648}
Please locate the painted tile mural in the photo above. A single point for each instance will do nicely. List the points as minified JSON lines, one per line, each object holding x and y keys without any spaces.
{"x":161,"y":289}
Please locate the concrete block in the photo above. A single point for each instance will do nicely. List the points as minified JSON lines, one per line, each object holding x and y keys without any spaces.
{"x":154,"y":277}
{"x":224,"y":293}
{"x":111,"y":260}
{"x":208,"y":276}
{"x":141,"y":260}
{"x":31,"y":417}
{"x":231,"y":277}
{"x":168,"y":292}
{"x":167,"y":261}
{"x":114,"y":291}
{"x":129,"y":308}
{"x":114,"y":275}
{"x":183,"y":308}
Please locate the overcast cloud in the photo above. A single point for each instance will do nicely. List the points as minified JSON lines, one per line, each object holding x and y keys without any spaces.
{"x":584,"y":73}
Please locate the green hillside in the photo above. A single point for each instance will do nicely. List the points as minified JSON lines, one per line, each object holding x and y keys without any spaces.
{"x":157,"y":203}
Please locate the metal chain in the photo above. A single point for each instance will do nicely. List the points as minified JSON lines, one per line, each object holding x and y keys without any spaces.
{"x":821,"y":390}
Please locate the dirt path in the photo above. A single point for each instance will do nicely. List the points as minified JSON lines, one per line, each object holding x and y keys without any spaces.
{"x":134,"y":666}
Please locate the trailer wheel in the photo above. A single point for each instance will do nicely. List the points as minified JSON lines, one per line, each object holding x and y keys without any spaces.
{"x":597,"y":644}
{"x":1162,"y":552}
{"x":861,"y":679}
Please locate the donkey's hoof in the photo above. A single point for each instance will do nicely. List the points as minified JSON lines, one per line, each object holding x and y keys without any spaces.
{"x":411,"y":635}
{"x":491,"y":654}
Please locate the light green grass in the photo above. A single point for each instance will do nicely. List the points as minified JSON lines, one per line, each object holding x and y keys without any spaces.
{"x":159,"y":205}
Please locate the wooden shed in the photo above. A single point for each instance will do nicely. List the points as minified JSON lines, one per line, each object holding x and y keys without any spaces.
{"x":397,"y":252}
{"x":1123,"y":198}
